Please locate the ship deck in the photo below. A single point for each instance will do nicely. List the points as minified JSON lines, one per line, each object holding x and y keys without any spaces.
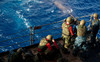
{"x":93,"y":54}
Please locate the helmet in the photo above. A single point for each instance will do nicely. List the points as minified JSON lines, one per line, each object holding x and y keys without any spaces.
{"x":69,"y":19}
{"x":19,"y":50}
{"x":49,"y":37}
{"x":95,"y":15}
{"x":82,"y":22}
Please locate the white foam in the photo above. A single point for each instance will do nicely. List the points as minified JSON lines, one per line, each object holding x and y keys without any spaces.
{"x":28,"y":9}
{"x":38,"y":1}
{"x":30,"y":6}
{"x":27,"y":1}
{"x":18,"y":12}
{"x":25,"y":20}
{"x":52,"y":11}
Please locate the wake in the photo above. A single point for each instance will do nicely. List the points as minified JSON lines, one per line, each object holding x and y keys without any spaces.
{"x":64,"y":9}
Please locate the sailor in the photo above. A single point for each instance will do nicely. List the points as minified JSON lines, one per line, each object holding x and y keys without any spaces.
{"x":95,"y":28}
{"x":81,"y":37}
{"x":29,"y":57}
{"x":67,"y":32}
{"x":45,"y":47}
{"x":17,"y":56}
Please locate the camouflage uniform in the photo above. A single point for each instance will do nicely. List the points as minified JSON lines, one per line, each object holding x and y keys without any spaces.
{"x":42,"y":45}
{"x":81,"y":36}
{"x":95,"y":28}
{"x":80,"y":41}
{"x":66,"y":34}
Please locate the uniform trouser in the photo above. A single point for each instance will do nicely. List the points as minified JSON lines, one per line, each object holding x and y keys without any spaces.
{"x":79,"y":43}
{"x":66,"y":42}
{"x":94,"y":32}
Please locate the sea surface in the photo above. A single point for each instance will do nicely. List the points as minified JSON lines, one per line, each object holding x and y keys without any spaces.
{"x":17,"y":16}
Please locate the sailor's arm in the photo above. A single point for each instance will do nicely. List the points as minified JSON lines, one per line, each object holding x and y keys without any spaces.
{"x":49,"y":46}
{"x":76,"y":21}
{"x":71,"y":30}
{"x":55,"y":43}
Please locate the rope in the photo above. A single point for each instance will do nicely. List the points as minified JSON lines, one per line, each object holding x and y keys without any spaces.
{"x":83,"y":16}
{"x":15,"y":38}
{"x":14,"y":44}
{"x":52,"y":23}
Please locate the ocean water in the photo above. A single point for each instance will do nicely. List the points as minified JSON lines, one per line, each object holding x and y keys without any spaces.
{"x":18,"y":15}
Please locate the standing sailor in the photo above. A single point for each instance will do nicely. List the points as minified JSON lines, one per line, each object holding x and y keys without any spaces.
{"x":81,"y":37}
{"x":67,"y":32}
{"x":94,"y":28}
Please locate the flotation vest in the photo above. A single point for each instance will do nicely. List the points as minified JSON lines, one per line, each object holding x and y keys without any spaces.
{"x":43,"y":45}
{"x":81,"y":31}
{"x":95,"y":22}
{"x":65,"y":30}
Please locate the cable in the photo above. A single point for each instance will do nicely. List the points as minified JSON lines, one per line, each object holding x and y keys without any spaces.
{"x":14,"y":44}
{"x":15,"y":38}
{"x":52,"y":23}
{"x":84,"y":16}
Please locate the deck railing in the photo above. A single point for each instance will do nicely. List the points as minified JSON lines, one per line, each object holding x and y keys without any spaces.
{"x":33,"y":32}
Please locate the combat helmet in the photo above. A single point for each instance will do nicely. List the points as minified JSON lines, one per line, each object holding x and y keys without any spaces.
{"x":69,"y":19}
{"x":19,"y":50}
{"x":95,"y":15}
{"x":82,"y":22}
{"x":49,"y":37}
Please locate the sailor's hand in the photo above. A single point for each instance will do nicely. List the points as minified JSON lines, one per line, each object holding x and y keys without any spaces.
{"x":75,"y":19}
{"x":91,"y":17}
{"x":53,"y":40}
{"x":71,"y":15}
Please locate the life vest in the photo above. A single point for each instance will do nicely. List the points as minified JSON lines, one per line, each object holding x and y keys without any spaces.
{"x":81,"y":31}
{"x":43,"y":45}
{"x":95,"y":22}
{"x":65,"y":30}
